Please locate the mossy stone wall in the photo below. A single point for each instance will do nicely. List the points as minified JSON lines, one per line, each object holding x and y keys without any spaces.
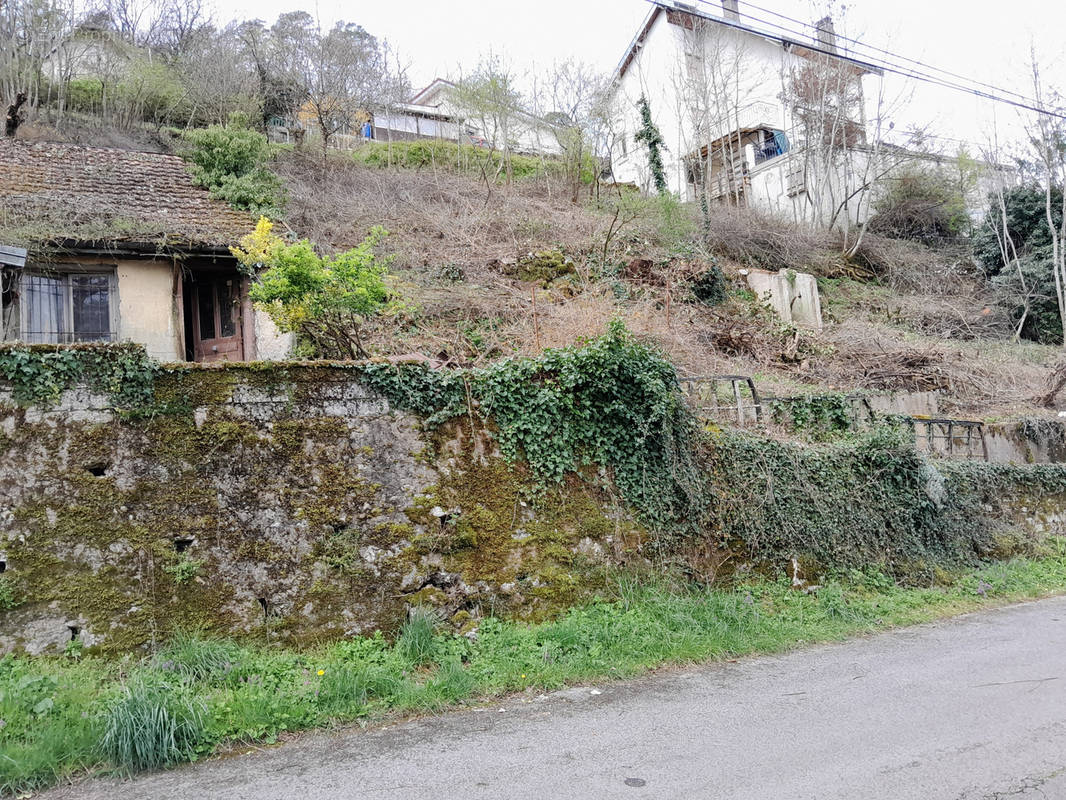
{"x":284,"y":503}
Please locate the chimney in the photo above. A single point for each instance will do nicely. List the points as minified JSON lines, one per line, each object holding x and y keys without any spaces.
{"x":827,"y":36}
{"x":731,"y":10}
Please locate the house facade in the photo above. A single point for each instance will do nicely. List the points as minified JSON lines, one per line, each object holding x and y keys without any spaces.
{"x":121,"y":246}
{"x":434,"y":114}
{"x":749,"y":117}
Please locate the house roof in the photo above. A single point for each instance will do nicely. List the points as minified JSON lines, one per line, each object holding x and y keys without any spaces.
{"x":63,"y":193}
{"x":672,"y":8}
{"x":434,"y":86}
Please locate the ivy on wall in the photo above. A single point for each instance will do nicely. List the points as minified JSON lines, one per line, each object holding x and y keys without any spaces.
{"x":612,"y":403}
{"x":873,"y":499}
{"x":611,"y":407}
{"x":39,"y":374}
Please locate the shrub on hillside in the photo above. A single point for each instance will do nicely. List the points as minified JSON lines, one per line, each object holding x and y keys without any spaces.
{"x":1013,"y":246}
{"x":920,"y":205}
{"x":324,"y":300}
{"x":231,"y":161}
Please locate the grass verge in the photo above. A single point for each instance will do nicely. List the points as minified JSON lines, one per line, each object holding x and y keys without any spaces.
{"x":74,"y":714}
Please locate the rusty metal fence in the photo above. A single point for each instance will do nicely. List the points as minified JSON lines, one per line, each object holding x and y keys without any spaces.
{"x":735,"y":400}
{"x":724,"y":398}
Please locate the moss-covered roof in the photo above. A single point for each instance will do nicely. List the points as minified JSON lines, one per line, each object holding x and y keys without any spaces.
{"x":57,"y":192}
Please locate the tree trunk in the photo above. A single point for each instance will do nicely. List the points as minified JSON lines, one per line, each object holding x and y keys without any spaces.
{"x":14,"y":115}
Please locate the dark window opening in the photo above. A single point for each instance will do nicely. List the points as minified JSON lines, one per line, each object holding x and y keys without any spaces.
{"x":774,"y":144}
{"x":68,"y":307}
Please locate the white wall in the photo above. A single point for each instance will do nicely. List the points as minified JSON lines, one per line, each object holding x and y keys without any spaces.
{"x":270,"y":343}
{"x":670,"y":68}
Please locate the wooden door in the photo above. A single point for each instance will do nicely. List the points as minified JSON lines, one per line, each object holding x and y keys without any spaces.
{"x":216,"y":319}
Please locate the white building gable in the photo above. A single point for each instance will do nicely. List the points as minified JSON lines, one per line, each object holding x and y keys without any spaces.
{"x":724,"y":96}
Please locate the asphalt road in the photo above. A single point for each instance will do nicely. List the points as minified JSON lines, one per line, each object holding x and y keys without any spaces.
{"x":970,"y":708}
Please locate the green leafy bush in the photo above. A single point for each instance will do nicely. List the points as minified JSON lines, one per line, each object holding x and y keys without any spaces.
{"x":324,"y":300}
{"x":231,"y":161}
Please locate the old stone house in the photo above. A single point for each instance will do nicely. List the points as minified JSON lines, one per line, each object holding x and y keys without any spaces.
{"x":122,"y":246}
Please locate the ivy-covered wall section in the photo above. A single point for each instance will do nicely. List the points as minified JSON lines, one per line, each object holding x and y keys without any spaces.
{"x":300,"y":502}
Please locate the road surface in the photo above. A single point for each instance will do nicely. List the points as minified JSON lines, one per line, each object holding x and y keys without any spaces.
{"x":964,"y":709}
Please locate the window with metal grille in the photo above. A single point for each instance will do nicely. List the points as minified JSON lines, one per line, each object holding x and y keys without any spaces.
{"x":60,"y":307}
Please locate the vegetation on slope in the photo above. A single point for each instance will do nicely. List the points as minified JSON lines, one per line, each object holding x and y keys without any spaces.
{"x":198,"y":696}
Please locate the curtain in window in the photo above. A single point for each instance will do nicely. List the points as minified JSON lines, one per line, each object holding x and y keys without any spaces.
{"x":781,"y":140}
{"x":43,"y":300}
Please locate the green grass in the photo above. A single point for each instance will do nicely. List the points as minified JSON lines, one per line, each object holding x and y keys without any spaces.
{"x":451,"y":157}
{"x":67,"y":715}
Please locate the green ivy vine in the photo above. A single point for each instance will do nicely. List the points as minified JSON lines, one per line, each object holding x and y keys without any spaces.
{"x":612,"y":403}
{"x":652,"y":139}
{"x":39,"y":374}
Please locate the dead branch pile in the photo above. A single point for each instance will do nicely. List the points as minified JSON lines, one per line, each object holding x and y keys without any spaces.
{"x":910,"y":370}
{"x":767,"y":242}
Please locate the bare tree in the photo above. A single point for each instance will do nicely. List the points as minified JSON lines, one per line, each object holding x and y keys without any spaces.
{"x":489,"y":99}
{"x":31,"y":31}
{"x":575,"y":95}
{"x":1047,"y":136}
{"x":715,"y":80}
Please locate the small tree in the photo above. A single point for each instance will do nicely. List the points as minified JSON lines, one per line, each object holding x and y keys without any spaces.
{"x":323,"y":300}
{"x":489,"y":98}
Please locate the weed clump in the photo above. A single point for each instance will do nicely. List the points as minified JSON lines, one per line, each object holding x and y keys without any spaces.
{"x":417,"y":643}
{"x":151,"y":726}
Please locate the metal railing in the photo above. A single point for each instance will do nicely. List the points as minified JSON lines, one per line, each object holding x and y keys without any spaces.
{"x":950,"y":438}
{"x":734,"y":399}
{"x":724,"y":398}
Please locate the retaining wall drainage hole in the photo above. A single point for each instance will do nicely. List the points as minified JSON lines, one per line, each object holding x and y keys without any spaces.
{"x":98,"y":469}
{"x":74,"y":631}
{"x":3,"y":565}
{"x":636,"y":782}
{"x":181,"y":545}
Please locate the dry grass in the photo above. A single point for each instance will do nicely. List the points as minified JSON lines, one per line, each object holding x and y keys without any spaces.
{"x":437,"y":219}
{"x":928,"y":324}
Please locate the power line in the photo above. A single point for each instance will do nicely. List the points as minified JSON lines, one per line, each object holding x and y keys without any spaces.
{"x":874,"y":48}
{"x":881,"y":64}
{"x":884,"y":64}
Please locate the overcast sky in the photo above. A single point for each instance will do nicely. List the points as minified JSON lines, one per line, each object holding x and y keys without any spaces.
{"x":987,"y":41}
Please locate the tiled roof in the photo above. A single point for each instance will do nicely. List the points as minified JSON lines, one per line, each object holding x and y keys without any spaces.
{"x":102,"y":193}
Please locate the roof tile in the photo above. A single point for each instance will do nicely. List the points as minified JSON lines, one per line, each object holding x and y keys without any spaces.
{"x":150,"y":192}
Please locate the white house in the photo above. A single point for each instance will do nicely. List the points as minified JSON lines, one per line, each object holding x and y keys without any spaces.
{"x":434,"y":114}
{"x":748,"y":116}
